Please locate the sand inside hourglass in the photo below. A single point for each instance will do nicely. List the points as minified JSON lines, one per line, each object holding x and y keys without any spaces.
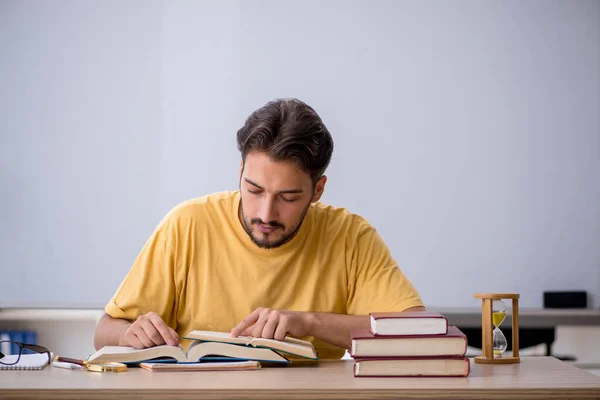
{"x":499,"y":343}
{"x":498,"y":317}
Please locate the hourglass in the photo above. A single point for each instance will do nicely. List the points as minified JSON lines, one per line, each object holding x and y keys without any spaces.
{"x":493,"y":341}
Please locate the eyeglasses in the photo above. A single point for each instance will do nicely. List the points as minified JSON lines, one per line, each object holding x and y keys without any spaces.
{"x":8,"y":360}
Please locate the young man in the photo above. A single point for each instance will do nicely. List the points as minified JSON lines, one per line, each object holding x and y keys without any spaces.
{"x":266,"y":260}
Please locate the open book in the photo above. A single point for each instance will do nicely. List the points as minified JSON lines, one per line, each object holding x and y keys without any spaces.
{"x":211,"y":346}
{"x":289,"y":345}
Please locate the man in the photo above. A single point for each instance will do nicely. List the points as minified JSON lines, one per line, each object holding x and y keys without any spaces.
{"x":266,"y":260}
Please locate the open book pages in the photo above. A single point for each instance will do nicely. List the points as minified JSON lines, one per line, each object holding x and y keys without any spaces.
{"x":297,"y":347}
{"x":196,"y":351}
{"x":209,"y":366}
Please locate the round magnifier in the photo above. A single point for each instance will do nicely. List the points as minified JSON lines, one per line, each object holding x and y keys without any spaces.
{"x":96,"y":367}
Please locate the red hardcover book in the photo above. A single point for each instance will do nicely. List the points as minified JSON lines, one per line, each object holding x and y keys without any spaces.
{"x":412,"y":367}
{"x":366,"y":344}
{"x":408,"y":323}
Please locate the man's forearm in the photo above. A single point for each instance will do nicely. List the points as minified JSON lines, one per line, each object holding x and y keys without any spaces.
{"x":336,"y":328}
{"x":110,"y":331}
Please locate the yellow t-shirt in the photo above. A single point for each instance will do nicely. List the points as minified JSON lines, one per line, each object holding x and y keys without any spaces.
{"x":200,"y":270}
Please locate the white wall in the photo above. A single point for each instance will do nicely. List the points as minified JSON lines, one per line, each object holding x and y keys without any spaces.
{"x":467,"y":132}
{"x":80,"y":124}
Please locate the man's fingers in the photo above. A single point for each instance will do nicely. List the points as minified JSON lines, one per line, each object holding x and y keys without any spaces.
{"x":260,"y":324}
{"x":175,"y":336}
{"x":133,"y":340}
{"x":165,"y":333}
{"x":143,"y":338}
{"x":153,"y":333}
{"x":282,"y":329}
{"x":247,"y":331}
{"x":245,"y":323}
{"x":269,"y":329}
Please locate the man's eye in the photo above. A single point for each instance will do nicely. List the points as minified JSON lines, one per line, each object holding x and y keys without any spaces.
{"x":254,"y":191}
{"x":289,"y":200}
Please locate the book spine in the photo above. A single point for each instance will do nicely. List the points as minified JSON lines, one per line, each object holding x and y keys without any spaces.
{"x":464,"y":375}
{"x":406,"y":358}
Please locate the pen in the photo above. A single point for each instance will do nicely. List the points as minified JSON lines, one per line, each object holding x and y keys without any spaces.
{"x":66,"y":365}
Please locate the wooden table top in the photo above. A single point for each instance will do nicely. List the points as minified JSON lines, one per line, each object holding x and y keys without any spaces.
{"x":533,"y":378}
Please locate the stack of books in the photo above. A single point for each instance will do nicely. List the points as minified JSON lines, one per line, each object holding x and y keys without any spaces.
{"x":409,"y":344}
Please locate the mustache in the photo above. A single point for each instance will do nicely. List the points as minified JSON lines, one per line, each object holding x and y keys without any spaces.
{"x":274,"y":224}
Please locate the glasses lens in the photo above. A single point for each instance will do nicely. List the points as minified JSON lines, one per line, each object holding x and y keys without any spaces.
{"x":13,"y":349}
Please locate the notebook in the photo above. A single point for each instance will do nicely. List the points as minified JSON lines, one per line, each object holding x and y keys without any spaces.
{"x":27,"y":361}
{"x":207,"y":366}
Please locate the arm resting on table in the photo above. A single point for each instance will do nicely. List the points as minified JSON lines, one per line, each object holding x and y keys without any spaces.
{"x":110,"y":332}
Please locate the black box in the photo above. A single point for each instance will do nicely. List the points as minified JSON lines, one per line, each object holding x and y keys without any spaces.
{"x":565,"y":299}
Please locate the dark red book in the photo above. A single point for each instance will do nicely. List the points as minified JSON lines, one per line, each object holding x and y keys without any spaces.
{"x":408,"y":323}
{"x":366,"y":344}
{"x":429,"y":367}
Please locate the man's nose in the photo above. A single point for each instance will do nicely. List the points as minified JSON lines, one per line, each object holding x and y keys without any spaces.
{"x":268,"y":210}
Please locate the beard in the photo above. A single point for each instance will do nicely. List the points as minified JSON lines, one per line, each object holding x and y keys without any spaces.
{"x":264,"y":242}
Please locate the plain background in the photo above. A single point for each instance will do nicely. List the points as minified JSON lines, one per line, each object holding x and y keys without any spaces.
{"x":467,"y":133}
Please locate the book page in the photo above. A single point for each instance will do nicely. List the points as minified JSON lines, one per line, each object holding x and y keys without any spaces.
{"x":126,"y":350}
{"x":217,"y":337}
{"x":131,"y":354}
{"x":290,"y":345}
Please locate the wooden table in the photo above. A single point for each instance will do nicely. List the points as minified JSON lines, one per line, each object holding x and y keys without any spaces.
{"x":533,"y":378}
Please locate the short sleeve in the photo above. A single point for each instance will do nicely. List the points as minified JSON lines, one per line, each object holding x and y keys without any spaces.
{"x":376,"y":283}
{"x":150,"y":283}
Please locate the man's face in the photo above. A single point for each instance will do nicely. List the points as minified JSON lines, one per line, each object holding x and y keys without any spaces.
{"x":275,"y":198}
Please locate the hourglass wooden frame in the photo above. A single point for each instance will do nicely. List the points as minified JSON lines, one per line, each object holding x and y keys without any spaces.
{"x":487,"y":355}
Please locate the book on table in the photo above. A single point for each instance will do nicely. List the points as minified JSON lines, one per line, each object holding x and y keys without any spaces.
{"x":412,"y":367}
{"x":408,"y":323}
{"x":212,"y":346}
{"x":367,"y":344}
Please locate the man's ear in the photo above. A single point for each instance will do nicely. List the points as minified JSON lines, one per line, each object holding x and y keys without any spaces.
{"x":319,"y":188}
{"x":241,"y":168}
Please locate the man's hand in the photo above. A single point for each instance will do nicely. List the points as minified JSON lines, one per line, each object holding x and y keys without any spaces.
{"x":275,"y":324}
{"x":147,"y":331}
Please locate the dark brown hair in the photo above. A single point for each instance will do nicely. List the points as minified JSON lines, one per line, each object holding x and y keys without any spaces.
{"x":290,"y":130}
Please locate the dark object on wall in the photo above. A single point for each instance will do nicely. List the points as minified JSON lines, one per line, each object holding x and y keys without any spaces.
{"x":565,"y":299}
